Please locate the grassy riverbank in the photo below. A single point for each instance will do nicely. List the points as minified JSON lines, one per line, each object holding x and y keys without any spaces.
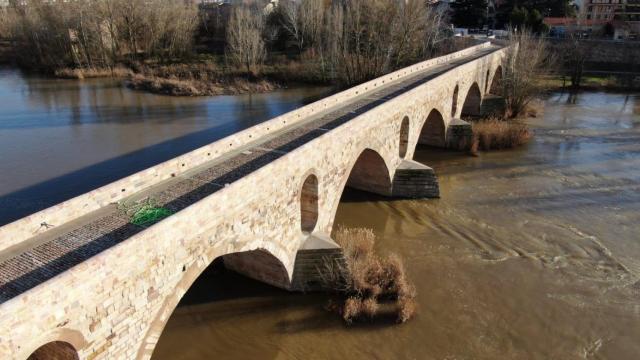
{"x":205,"y":76}
{"x":602,"y":82}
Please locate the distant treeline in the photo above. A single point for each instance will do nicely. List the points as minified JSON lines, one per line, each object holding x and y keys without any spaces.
{"x":345,"y":41}
{"x":90,"y":34}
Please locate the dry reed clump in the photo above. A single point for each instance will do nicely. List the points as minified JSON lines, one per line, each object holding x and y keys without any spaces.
{"x":194,"y":80}
{"x":175,"y":87}
{"x":192,"y":87}
{"x":371,"y":285}
{"x":86,"y":73}
{"x":494,"y":133}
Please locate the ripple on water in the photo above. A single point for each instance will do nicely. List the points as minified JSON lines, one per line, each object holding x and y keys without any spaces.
{"x":529,"y":254}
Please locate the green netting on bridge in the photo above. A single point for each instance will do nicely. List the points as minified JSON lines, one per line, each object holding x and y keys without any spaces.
{"x":149,"y":215}
{"x":145,"y":213}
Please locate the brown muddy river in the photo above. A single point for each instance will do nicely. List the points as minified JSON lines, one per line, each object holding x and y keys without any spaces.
{"x":532,"y":253}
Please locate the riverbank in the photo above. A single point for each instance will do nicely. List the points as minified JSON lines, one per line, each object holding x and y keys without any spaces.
{"x":194,"y":87}
{"x":210,"y":74}
{"x":186,"y":79}
{"x":614,"y":83}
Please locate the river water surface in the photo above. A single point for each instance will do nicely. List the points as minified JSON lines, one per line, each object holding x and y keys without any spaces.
{"x":62,"y":138}
{"x":532,"y":253}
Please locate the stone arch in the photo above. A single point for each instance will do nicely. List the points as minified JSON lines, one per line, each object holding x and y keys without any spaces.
{"x":404,"y":137}
{"x":375,"y":147}
{"x":496,"y":82}
{"x":55,"y":350}
{"x":472,"y":102}
{"x":454,"y":101}
{"x":259,"y":265}
{"x":53,"y":339}
{"x":309,"y":204}
{"x":433,"y":130}
{"x":370,"y":173}
{"x":264,"y":250}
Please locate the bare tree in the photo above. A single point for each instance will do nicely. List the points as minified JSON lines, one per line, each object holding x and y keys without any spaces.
{"x":5,"y":24}
{"x":245,"y":46}
{"x":87,"y":34}
{"x":312,"y":13}
{"x":527,"y":58}
{"x":290,"y":21}
{"x":574,"y":52}
{"x":303,"y":21}
{"x":367,"y":38}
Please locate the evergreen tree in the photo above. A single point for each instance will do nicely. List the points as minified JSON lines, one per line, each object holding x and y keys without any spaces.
{"x":521,"y":18}
{"x":544,"y":8}
{"x":469,"y":13}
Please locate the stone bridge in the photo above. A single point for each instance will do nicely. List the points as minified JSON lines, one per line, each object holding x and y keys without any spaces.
{"x":81,"y":280}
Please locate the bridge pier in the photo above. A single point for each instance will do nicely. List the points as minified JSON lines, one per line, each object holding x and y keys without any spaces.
{"x":492,"y":105}
{"x":316,"y":257}
{"x":414,"y":180}
{"x":312,"y":259}
{"x":459,"y":135}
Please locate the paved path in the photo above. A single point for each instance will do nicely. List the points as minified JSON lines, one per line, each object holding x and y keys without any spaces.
{"x":57,"y":250}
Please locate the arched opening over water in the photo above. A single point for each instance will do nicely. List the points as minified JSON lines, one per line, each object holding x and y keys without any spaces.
{"x":258,"y":265}
{"x":404,"y":137}
{"x":471,"y":105}
{"x":55,"y":350}
{"x":496,"y":82}
{"x":309,"y":204}
{"x":368,"y":180}
{"x":433,"y":130}
{"x":370,"y":173}
{"x":222,"y":303}
{"x":454,"y":101}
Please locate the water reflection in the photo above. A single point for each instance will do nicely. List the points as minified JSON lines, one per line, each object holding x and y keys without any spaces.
{"x":61,"y":138}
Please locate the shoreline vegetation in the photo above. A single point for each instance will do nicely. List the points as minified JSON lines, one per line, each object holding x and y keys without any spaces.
{"x":369,"y":287}
{"x":494,"y":133}
{"x":593,"y":83}
{"x":196,"y":87}
{"x":178,"y":48}
{"x":518,"y":87}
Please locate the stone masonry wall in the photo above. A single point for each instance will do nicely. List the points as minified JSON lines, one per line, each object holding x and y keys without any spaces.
{"x":14,"y":233}
{"x":115,"y":305}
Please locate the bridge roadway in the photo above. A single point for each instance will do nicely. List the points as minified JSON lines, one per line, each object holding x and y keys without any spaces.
{"x":46,"y":255}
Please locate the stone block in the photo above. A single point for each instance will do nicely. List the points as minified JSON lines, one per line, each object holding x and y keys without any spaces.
{"x":459,"y":135}
{"x":318,"y":256}
{"x":414,"y":180}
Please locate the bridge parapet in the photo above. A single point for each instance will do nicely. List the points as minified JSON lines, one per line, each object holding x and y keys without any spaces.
{"x":264,"y":199}
{"x":39,"y":223}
